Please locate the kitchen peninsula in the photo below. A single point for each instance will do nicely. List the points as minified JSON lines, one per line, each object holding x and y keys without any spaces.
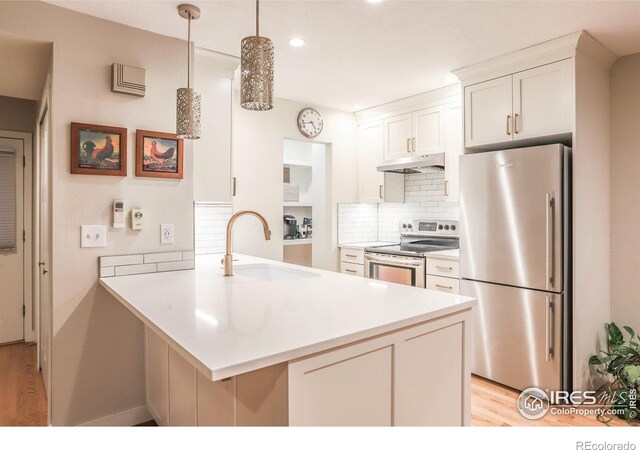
{"x":278,"y":344}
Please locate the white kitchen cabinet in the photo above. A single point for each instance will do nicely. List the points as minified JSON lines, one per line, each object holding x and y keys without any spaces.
{"x":527,"y":105}
{"x":487,"y":112}
{"x":216,"y":401}
{"x":429,"y":378}
{"x":157,"y":374}
{"x":182,"y":391}
{"x":428,"y":131}
{"x":416,"y":376}
{"x":398,"y":134}
{"x":444,"y":284}
{"x":543,"y":100}
{"x":443,"y":274}
{"x":376,"y":187}
{"x":352,"y":269}
{"x":453,"y":148}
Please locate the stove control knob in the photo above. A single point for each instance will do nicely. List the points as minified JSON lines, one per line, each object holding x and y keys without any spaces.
{"x":446,"y":227}
{"x":440,"y":227}
{"x":404,"y":225}
{"x":453,"y":228}
{"x":409,"y":226}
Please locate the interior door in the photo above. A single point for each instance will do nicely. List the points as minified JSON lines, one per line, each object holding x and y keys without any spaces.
{"x":488,"y":111}
{"x":543,"y":100}
{"x":511,"y":205}
{"x":44,"y":248}
{"x":516,"y":335}
{"x":11,"y":244}
{"x":397,"y":137}
{"x":428,"y":130}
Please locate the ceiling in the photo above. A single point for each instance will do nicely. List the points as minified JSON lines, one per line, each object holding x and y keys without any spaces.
{"x":366,"y":54}
{"x":25,"y":77}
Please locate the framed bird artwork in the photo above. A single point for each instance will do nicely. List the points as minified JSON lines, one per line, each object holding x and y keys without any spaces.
{"x":158,"y":155}
{"x":98,"y":150}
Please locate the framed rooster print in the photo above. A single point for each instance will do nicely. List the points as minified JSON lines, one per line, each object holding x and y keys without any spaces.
{"x":158,"y":155}
{"x":98,"y":150}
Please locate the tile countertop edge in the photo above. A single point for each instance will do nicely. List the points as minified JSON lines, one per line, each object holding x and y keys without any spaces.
{"x":290,"y":355}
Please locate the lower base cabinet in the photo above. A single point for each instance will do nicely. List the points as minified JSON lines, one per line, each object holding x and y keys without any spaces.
{"x":419,"y":375}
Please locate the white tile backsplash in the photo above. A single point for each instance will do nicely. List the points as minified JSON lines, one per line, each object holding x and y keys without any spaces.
{"x":176,"y":265}
{"x":106,"y":261}
{"x":135,"y":269}
{"x":424,"y":198}
{"x":116,"y":266}
{"x":162,"y":257}
{"x":211,"y":227}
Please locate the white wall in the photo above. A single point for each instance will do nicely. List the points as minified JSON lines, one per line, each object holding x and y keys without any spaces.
{"x":97,"y":359}
{"x":257,"y":164}
{"x":625,"y":191}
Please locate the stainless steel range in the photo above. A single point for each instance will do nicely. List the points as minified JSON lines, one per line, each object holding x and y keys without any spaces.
{"x":405,"y":262}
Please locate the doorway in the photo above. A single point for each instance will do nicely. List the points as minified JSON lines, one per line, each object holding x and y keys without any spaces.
{"x":13,"y":276}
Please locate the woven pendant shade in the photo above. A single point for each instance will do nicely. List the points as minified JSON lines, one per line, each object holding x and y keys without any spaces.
{"x":188,"y":99}
{"x":256,"y":68}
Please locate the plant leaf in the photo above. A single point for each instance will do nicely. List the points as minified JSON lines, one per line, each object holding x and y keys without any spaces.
{"x":629,"y":330}
{"x":595,"y":360}
{"x":615,"y":335}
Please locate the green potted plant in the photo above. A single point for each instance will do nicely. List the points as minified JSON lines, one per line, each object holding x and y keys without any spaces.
{"x":621,"y":362}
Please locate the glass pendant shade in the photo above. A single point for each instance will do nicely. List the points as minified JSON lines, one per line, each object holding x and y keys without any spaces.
{"x":256,"y":68}
{"x":188,"y":114}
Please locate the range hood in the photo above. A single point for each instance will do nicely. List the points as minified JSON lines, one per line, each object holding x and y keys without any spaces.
{"x":413,"y":164}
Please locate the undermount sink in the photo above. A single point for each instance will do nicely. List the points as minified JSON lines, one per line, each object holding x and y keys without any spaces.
{"x":268,"y":272}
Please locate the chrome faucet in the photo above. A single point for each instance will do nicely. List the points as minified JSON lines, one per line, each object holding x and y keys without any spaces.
{"x":228,"y":257}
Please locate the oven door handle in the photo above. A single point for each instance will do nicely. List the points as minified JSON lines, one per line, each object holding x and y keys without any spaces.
{"x":407,"y":263}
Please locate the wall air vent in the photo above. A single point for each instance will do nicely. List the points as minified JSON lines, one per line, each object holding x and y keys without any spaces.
{"x":128,"y":80}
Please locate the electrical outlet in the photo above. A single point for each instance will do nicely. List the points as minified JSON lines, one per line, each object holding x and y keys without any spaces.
{"x":93,"y":236}
{"x":166,"y":233}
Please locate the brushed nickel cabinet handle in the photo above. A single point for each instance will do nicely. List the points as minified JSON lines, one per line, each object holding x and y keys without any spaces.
{"x":446,"y":187}
{"x":380,"y":194}
{"x":515,"y":124}
{"x":442,"y":286}
{"x":350,"y":270}
{"x":413,"y":144}
{"x":509,"y":125}
{"x":408,"y":145}
{"x":233,"y":189}
{"x":444,"y":268}
{"x":350,"y":256}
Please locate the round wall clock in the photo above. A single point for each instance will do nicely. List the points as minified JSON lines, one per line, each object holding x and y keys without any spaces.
{"x":309,"y":122}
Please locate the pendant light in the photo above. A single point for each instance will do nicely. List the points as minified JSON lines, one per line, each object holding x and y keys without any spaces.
{"x":188,"y":99}
{"x":256,"y":67}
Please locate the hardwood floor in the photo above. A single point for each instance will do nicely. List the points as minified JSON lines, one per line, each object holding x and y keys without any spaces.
{"x":495,"y":405}
{"x":22,"y":396}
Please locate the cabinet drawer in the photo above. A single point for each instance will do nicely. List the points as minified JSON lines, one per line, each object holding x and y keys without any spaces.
{"x":352,"y":269}
{"x":444,"y":284}
{"x":443,"y":267}
{"x":355,"y":256}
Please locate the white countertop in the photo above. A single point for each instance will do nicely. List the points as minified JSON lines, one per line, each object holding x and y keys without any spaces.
{"x":226,"y":326}
{"x":448,"y":254}
{"x":363,"y":245}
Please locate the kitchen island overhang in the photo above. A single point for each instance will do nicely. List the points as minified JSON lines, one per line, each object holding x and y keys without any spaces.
{"x":275,"y":316}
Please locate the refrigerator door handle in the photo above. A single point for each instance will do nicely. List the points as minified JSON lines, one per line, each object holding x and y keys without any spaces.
{"x":550,"y":247}
{"x":549,"y":321}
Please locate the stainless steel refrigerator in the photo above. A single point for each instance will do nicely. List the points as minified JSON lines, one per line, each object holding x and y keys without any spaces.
{"x":515,"y":252}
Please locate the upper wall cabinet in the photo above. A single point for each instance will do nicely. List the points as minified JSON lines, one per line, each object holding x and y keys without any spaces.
{"x":529,"y":104}
{"x":416,"y":133}
{"x":397,"y":137}
{"x":376,"y":187}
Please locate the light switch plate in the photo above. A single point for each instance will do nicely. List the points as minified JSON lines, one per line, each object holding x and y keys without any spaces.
{"x":166,"y":233}
{"x":93,"y":236}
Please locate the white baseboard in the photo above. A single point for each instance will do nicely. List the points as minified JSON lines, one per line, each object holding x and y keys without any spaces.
{"x":126,"y":418}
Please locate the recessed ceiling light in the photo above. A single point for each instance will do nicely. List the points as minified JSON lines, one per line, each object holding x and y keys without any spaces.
{"x":450,"y":79}
{"x":296,"y":42}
